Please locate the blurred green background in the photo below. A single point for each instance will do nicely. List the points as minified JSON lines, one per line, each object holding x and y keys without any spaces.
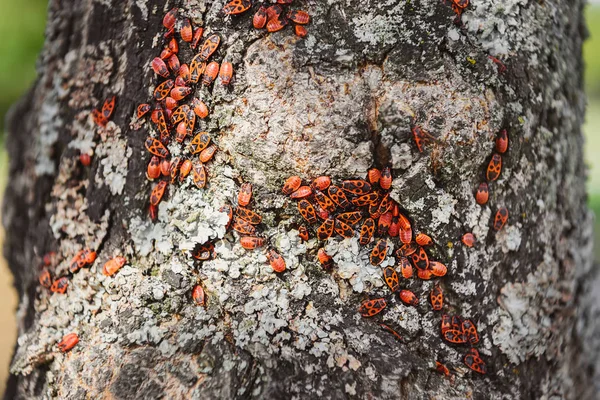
{"x":22,"y":27}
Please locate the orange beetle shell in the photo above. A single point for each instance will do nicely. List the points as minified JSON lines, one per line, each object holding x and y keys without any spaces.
{"x":300,"y":31}
{"x":85,"y":159}
{"x":196,"y":38}
{"x":337,"y":195}
{"x":482,"y":194}
{"x":196,"y":69}
{"x":170,"y":103}
{"x":322,"y":213}
{"x":77,"y":262}
{"x":366,"y":199}
{"x":379,"y":252}
{"x":405,"y":235}
{"x":307,"y":211}
{"x":174,"y":64}
{"x":245,"y":194}
{"x":157,"y":193}
{"x":408,"y":297}
{"x":373,"y":175}
{"x":204,"y":252}
{"x":248,"y":215}
{"x":273,"y":11}
{"x":89,"y":256}
{"x":173,"y":46}
{"x":404,"y":222}
{"x":303,"y":233}
{"x":235,"y":7}
{"x":165,"y":167}
{"x":185,"y":169}
{"x":391,"y":279}
{"x":470,"y":330}
{"x":170,"y":18}
{"x":210,"y":73}
{"x":143,"y":110}
{"x":159,"y":67}
{"x":366,"y":231}
{"x":186,"y":30}
{"x":321,"y":183}
{"x":437,"y":268}
{"x":199,"y":175}
{"x":500,"y":218}
{"x":373,"y":307}
{"x":383,"y":225}
{"x":276,"y":261}
{"x":113,"y":265}
{"x":437,"y":298}
{"x":276,"y":24}
{"x":385,"y":182}
{"x":200,"y":109}
{"x":302,"y":192}
{"x":394,"y":229}
{"x":60,"y":285}
{"x":68,"y":342}
{"x":260,"y":18}
{"x":326,"y":229}
{"x":502,"y":142}
{"x":291,"y":185}
{"x":225,"y":73}
{"x":324,"y":201}
{"x":423,"y":240}
{"x":325,"y":259}
{"x":251,"y":242}
{"x":474,"y":362}
{"x":351,"y":217}
{"x":209,"y":47}
{"x":154,"y":146}
{"x":108,"y":107}
{"x":199,"y":142}
{"x":179,"y":92}
{"x":207,"y":154}
{"x":45,"y":278}
{"x":343,"y":229}
{"x":299,"y":17}
{"x":468,"y":239}
{"x":494,"y":168}
{"x":406,"y":250}
{"x":424,"y":274}
{"x":420,"y":259}
{"x":356,"y":186}
{"x":198,"y":296}
{"x":405,"y":268}
{"x":180,"y":114}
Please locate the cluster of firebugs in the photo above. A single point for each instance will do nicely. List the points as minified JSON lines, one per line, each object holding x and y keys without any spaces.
{"x":335,"y":209}
{"x":366,"y":205}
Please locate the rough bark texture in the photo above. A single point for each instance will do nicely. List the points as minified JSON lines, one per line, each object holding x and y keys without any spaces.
{"x":335,"y":103}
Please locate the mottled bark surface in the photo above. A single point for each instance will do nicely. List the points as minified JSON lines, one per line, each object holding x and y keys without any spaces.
{"x":335,"y":103}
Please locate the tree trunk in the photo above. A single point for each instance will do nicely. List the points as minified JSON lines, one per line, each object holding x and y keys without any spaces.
{"x":335,"y":103}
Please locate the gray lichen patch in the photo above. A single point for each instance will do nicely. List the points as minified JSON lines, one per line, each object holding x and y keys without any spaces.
{"x":113,"y":153}
{"x":525,"y":327}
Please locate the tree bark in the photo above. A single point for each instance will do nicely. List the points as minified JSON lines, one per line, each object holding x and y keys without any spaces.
{"x":337,"y":102}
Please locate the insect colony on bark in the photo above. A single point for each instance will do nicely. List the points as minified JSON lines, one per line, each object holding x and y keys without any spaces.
{"x":274,"y":17}
{"x":333,"y":210}
{"x":365,"y":205}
